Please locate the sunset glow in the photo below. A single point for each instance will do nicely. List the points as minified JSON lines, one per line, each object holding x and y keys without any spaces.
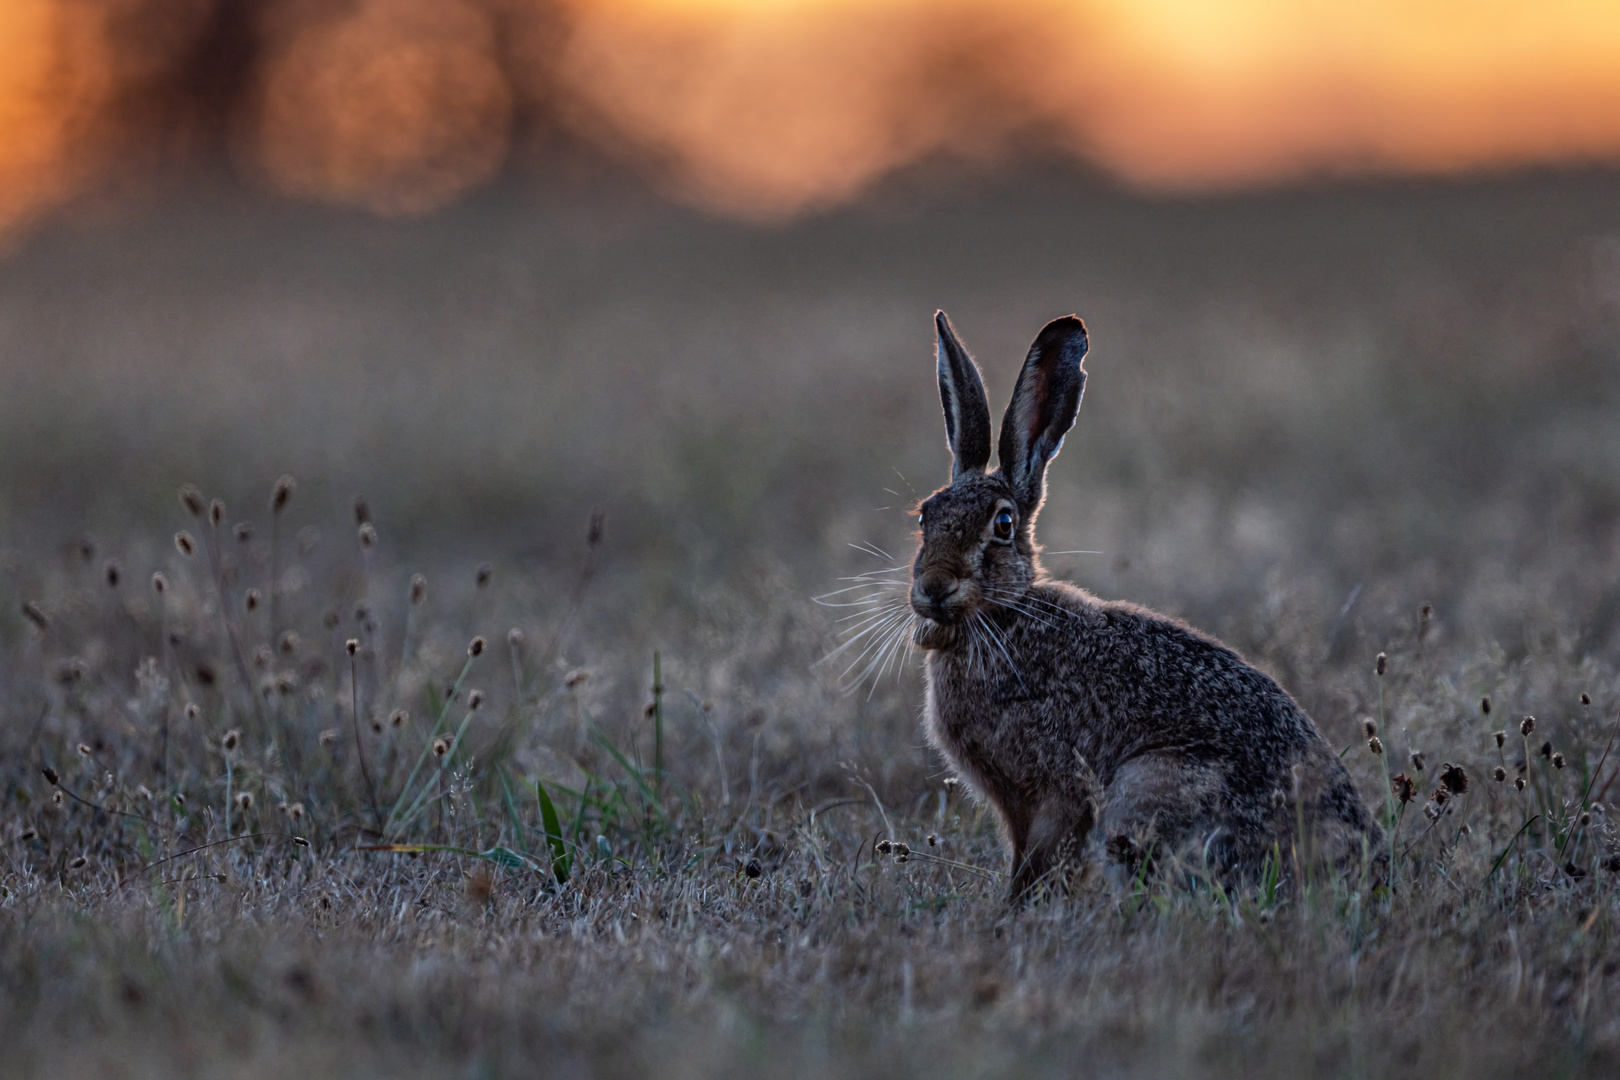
{"x":768,"y":107}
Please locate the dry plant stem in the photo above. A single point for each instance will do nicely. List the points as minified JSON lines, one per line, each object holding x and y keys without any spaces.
{"x":438,"y":776}
{"x":359,"y":747}
{"x":226,"y":614}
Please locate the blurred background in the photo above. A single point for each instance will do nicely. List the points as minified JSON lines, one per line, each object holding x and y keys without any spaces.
{"x":1352,"y":274}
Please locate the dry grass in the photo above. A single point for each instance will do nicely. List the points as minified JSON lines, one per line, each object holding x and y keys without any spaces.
{"x":1298,"y":433}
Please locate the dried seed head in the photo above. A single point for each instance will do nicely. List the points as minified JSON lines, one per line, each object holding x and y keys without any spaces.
{"x":575,"y":677}
{"x":232,"y":739}
{"x":112,"y":573}
{"x":79,"y":862}
{"x":368,"y":535}
{"x":1527,"y":725}
{"x":1499,"y":774}
{"x":159,"y":583}
{"x":362,"y":510}
{"x":191,"y":497}
{"x":1401,"y":786}
{"x":185,"y":544}
{"x":216,"y":512}
{"x":289,"y":642}
{"x":485,"y":572}
{"x":397,"y":718}
{"x":1425,"y":611}
{"x":27,"y":834}
{"x":883,"y":847}
{"x":192,"y":711}
{"x":1546,"y":750}
{"x":36,"y":615}
{"x":1558,"y":760}
{"x":296,"y":812}
{"x":418,"y":588}
{"x":1518,"y":783}
{"x":244,"y":800}
{"x":1278,"y":799}
{"x":901,"y":850}
{"x":329,"y":737}
{"x":50,"y":775}
{"x":1369,"y":727}
{"x":56,"y":796}
{"x":1381,"y":665}
{"x":475,"y":647}
{"x":1417,"y":760}
{"x":1501,"y":739}
{"x":281,"y":494}
{"x":752,"y":869}
{"x":251,"y":600}
{"x":351,"y":646}
{"x":514,"y":638}
{"x":84,"y":750}
{"x":1586,"y":699}
{"x":475,"y":699}
{"x":441,"y":746}
{"x":933,"y":841}
{"x":1485,"y":705}
{"x":1586,"y":818}
{"x":243,"y":531}
{"x":1454,"y":777}
{"x":376,"y":727}
{"x":649,"y":710}
{"x":87,"y":548}
{"x":598,"y":520}
{"x":1375,"y":745}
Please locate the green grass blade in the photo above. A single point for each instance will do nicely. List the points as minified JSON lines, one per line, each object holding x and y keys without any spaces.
{"x":561,"y":861}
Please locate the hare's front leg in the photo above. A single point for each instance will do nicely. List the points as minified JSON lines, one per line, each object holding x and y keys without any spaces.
{"x":1056,"y":832}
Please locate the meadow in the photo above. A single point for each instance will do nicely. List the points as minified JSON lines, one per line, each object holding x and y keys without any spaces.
{"x":496,"y":740}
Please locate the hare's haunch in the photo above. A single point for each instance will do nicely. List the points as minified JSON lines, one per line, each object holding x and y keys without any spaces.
{"x":1098,"y":729}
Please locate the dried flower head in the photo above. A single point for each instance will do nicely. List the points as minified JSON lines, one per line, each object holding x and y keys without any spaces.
{"x":752,"y":869}
{"x":36,"y":615}
{"x":514,"y":638}
{"x":56,"y":797}
{"x":1453,"y":777}
{"x":933,"y":841}
{"x":1501,"y":739}
{"x":84,"y":750}
{"x":112,"y":573}
{"x":475,"y":647}
{"x":368,"y":535}
{"x":376,"y":726}
{"x":1425,"y":611}
{"x":191,"y":497}
{"x":243,"y":531}
{"x":441,"y":746}
{"x":216,"y":512}
{"x":1485,"y":705}
{"x":1369,"y":727}
{"x":289,"y":642}
{"x":244,"y":800}
{"x":883,"y":847}
{"x":185,"y":544}
{"x":575,"y":677}
{"x":1402,"y":787}
{"x":1375,"y":745}
{"x":485,"y":572}
{"x":1586,"y":699}
{"x":1417,"y":760}
{"x":1558,"y":760}
{"x":1585,"y":818}
{"x":296,"y":812}
{"x":250,"y":600}
{"x":192,"y":711}
{"x":418,"y":588}
{"x":1546,"y":750}
{"x":50,"y":775}
{"x":1527,"y":725}
{"x":1518,"y":783}
{"x":232,"y":739}
{"x":79,"y":862}
{"x":475,"y":699}
{"x":593,"y":536}
{"x":329,"y":737}
{"x":281,"y":493}
{"x":397,"y":718}
{"x":650,"y":709}
{"x":159,"y":583}
{"x":1499,"y":774}
{"x":351,"y":646}
{"x":1381,"y":665}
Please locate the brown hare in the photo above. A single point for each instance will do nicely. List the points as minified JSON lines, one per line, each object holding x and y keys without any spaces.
{"x":1098,"y":729}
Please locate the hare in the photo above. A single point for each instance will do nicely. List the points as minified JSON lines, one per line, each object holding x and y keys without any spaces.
{"x":1091,"y":727}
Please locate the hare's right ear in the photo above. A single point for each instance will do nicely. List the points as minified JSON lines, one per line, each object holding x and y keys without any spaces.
{"x":961,"y":392}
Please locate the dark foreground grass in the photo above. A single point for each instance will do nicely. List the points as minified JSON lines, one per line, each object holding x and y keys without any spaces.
{"x":1323,"y":426}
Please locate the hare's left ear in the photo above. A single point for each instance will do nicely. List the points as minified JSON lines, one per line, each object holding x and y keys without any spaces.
{"x":1043,"y":408}
{"x":961,"y":393}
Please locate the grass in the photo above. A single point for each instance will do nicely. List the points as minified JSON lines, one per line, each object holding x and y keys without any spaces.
{"x":664,"y":840}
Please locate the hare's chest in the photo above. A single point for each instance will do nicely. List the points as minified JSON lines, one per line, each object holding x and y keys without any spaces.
{"x":988,"y":730}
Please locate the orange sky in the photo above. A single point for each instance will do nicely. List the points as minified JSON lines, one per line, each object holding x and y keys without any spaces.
{"x":768,"y":107}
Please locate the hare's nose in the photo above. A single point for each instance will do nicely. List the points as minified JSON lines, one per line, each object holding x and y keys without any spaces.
{"x":934,"y":589}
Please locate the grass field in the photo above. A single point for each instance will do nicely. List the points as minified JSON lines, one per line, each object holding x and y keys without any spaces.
{"x":1322,"y":424}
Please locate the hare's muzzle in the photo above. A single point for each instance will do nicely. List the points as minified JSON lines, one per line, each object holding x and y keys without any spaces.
{"x":935,"y":595}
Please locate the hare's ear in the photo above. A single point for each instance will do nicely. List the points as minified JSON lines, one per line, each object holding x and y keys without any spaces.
{"x":961,"y":392}
{"x":1043,"y":408}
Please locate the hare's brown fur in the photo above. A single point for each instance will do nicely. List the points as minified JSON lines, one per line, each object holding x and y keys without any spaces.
{"x":1098,"y":728}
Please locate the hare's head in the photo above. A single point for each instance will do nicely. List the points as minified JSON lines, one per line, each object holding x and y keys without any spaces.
{"x":978,"y":544}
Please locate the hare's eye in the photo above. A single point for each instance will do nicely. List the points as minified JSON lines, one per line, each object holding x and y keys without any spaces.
{"x":1004,"y":525}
